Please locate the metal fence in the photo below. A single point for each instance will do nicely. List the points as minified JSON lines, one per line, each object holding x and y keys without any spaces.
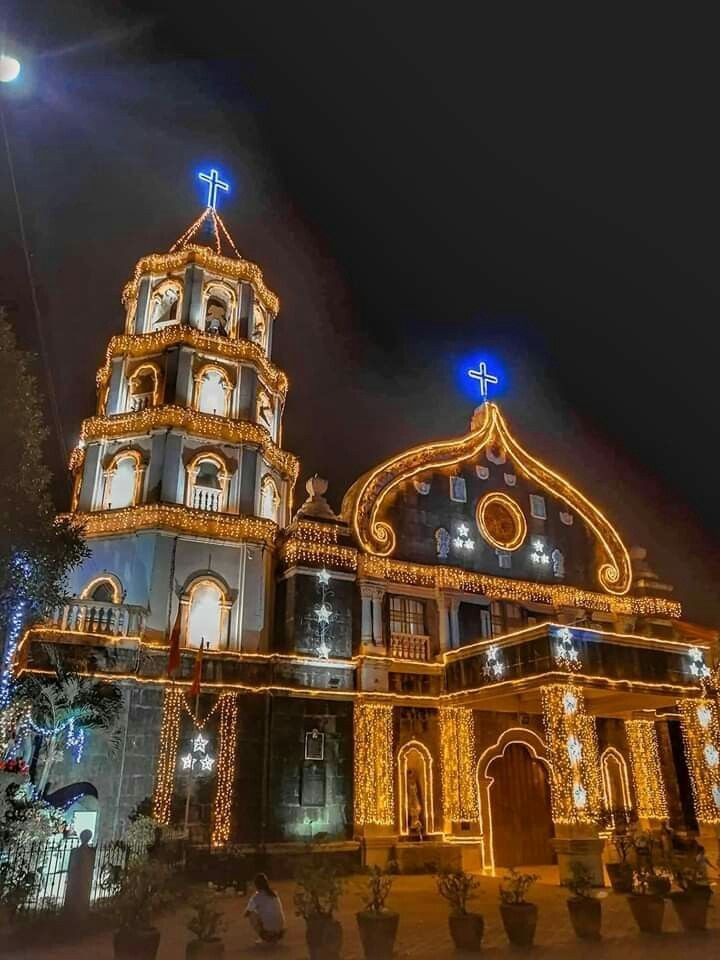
{"x":43,"y":866}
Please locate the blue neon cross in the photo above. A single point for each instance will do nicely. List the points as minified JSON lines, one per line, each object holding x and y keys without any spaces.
{"x":214,"y":184}
{"x":484,"y":377}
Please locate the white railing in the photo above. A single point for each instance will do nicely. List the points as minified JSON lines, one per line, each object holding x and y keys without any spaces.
{"x":206,"y":498}
{"x":93,"y":616}
{"x":140,"y":401}
{"x":409,"y":646}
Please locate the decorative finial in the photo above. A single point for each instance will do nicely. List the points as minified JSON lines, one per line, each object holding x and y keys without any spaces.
{"x":214,"y":183}
{"x":482,"y":375}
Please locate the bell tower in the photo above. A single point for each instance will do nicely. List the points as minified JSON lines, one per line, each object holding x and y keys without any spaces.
{"x":180,"y":479}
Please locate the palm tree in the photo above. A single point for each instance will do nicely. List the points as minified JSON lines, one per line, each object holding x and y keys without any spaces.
{"x":61,"y":706}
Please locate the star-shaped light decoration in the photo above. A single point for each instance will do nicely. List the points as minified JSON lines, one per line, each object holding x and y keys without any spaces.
{"x":187,"y":761}
{"x":323,"y":613}
{"x":457,"y":543}
{"x":580,"y":796}
{"x":323,"y":577}
{"x":704,"y":716}
{"x":570,"y":702}
{"x":469,"y":544}
{"x":574,"y":749}
{"x":199,"y":743}
{"x":206,"y":763}
{"x":712,"y":755}
{"x":463,"y":529}
{"x":323,"y":650}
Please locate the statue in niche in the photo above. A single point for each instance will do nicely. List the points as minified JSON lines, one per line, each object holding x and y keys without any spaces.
{"x":215,"y":317}
{"x":264,"y":409}
{"x":558,"y":564}
{"x":442,"y":543}
{"x":414,"y":806}
{"x":259,"y":325}
{"x":164,"y":307}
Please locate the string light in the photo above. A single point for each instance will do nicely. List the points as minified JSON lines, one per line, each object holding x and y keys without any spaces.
{"x":364,"y":501}
{"x":650,"y":797}
{"x":208,"y":425}
{"x":144,"y":344}
{"x":222,"y":807}
{"x":457,"y":745}
{"x":494,"y":666}
{"x":373,"y":764}
{"x":573,"y":753}
{"x":179,"y":519}
{"x":701,"y":736}
{"x":166,"y":263}
{"x":167,"y":754}
{"x":517,"y":591}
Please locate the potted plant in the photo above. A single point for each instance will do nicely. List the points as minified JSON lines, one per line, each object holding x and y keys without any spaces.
{"x":206,"y":923}
{"x":377,"y":925}
{"x":691,"y":901}
{"x":143,"y":892}
{"x":646,"y":904}
{"x":518,"y":916}
{"x":584,"y":906}
{"x":466,"y":929}
{"x":620,"y":873}
{"x":316,"y":900}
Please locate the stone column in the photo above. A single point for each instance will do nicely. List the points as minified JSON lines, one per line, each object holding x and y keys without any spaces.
{"x":443,"y":623}
{"x":574,"y":779}
{"x":461,"y":811}
{"x":366,"y":634}
{"x":374,"y":780}
{"x":454,"y":624}
{"x":377,"y":618}
{"x":701,"y":737}
{"x":650,"y":796}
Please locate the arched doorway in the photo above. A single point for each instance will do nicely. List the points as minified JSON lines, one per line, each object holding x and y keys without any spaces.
{"x":519,"y":794}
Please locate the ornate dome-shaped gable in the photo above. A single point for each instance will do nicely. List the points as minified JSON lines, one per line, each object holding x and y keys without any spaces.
{"x":499,"y":519}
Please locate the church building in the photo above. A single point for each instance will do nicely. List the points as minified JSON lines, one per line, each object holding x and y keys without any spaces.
{"x":466,"y":665}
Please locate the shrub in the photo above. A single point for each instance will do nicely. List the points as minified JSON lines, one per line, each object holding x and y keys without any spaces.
{"x":457,"y":887}
{"x":514,"y":886}
{"x":379,"y":884}
{"x":580,"y":883}
{"x":207,"y":921}
{"x":319,"y":889}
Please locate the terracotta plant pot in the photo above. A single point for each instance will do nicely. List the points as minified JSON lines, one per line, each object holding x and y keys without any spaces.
{"x":466,"y":930}
{"x":621,"y":877}
{"x":323,"y":936}
{"x":133,"y":944}
{"x":648,"y":910}
{"x":519,"y":920}
{"x":586,"y":917}
{"x":691,"y":908}
{"x":378,"y":930}
{"x":205,"y":950}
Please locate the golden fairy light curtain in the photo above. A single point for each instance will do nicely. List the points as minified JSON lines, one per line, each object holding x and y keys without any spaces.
{"x":650,"y":797}
{"x":167,"y":756}
{"x":573,"y":755}
{"x":457,"y":744}
{"x":222,"y":807}
{"x":374,"y":787}
{"x":701,"y":736}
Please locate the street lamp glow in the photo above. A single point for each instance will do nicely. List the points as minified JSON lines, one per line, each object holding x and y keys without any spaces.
{"x":9,"y":68}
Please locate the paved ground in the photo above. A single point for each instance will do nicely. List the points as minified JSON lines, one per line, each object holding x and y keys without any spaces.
{"x":423,"y":933}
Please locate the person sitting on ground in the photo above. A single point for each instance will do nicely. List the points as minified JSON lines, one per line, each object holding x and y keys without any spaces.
{"x":265,"y":912}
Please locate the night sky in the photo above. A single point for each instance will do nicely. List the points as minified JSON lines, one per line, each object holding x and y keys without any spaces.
{"x":422,"y":185}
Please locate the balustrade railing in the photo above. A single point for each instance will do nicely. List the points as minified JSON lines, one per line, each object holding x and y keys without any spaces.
{"x":409,"y":646}
{"x":140,"y":401}
{"x":93,"y":616}
{"x":206,"y":498}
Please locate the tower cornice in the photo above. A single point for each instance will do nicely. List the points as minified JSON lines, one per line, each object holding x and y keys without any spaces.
{"x":146,"y":344}
{"x":176,"y":518}
{"x":230,"y":268}
{"x":204,"y":425}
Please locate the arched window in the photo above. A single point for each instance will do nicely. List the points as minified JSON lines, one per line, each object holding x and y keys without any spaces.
{"x":122,"y":480}
{"x":218,"y":309}
{"x":165,"y":305}
{"x":104,"y":589}
{"x":207,"y":480}
{"x":144,"y":383}
{"x":212,"y":391}
{"x":206,"y":618}
{"x":615,"y":784}
{"x":269,"y":498}
{"x":415,"y":790}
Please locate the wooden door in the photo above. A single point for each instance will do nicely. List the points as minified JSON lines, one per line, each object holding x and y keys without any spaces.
{"x":521,"y":815}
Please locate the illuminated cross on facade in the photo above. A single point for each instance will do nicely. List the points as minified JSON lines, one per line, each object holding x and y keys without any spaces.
{"x":214,"y":183}
{"x":484,"y":377}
